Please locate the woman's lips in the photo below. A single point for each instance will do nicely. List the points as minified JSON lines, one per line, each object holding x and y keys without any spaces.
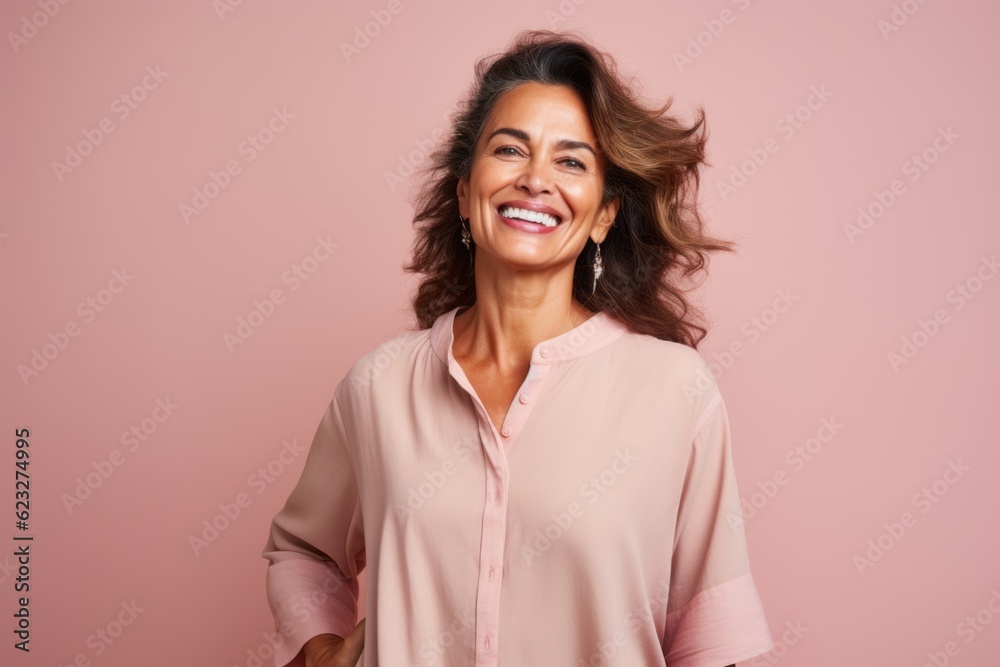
{"x":525,"y":226}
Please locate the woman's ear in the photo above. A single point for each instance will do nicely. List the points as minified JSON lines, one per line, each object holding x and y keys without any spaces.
{"x":606,"y":218}
{"x":462,"y":190}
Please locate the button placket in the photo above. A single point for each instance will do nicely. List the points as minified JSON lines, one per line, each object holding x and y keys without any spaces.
{"x":491,"y":550}
{"x":494,"y":528}
{"x":497,"y":444}
{"x":520,"y":408}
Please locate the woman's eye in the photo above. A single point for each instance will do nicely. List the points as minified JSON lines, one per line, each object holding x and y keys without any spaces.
{"x":510,"y":150}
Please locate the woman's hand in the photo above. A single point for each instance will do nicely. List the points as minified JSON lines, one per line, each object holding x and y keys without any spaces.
{"x":331,"y":651}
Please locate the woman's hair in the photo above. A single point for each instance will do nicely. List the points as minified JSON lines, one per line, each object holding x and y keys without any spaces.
{"x":651,"y":164}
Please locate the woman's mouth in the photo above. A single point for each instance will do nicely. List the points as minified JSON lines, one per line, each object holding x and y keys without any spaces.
{"x":529,"y":221}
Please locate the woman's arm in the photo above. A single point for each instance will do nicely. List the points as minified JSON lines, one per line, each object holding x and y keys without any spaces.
{"x":717,"y":612}
{"x":316,"y":546}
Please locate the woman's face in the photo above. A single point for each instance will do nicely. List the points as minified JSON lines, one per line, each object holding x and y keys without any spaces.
{"x":537,"y":151}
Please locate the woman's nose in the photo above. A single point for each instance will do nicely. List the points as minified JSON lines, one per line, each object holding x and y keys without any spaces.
{"x":536,"y":176}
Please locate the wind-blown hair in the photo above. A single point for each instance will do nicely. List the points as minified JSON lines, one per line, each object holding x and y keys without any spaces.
{"x":651,"y":162}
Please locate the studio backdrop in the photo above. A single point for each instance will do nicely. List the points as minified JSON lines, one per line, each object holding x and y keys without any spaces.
{"x":207,"y":205}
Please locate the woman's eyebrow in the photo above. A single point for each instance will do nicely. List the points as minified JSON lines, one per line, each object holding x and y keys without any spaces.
{"x":523,"y":136}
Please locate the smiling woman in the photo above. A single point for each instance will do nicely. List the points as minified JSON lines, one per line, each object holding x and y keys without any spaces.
{"x":553,"y":110}
{"x":541,"y":474}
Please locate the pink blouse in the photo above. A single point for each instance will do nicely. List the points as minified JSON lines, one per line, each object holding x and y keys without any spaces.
{"x":601,"y":525}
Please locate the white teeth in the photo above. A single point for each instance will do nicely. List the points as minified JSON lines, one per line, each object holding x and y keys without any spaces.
{"x":530,"y":216}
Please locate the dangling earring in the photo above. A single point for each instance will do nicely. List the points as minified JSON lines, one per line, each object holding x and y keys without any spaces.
{"x":466,"y":236}
{"x":598,"y":267}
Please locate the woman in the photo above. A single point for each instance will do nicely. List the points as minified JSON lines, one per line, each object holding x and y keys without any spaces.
{"x":542,"y":474}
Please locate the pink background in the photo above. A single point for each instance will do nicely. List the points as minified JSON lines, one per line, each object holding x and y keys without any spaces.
{"x":854,"y":298}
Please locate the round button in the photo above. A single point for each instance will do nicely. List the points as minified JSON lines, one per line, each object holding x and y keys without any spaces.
{"x":524,"y":398}
{"x":496,"y":496}
{"x":544,"y":352}
{"x":506,"y":430}
{"x":486,"y":642}
{"x":492,"y":573}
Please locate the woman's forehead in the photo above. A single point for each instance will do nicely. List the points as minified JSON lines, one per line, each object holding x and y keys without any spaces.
{"x":536,"y":109}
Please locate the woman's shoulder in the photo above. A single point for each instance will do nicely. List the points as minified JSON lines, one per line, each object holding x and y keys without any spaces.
{"x":657,"y":353}
{"x":670,"y":369}
{"x":388,"y":357}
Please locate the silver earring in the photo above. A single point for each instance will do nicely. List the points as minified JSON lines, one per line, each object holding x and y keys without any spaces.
{"x":466,"y":236}
{"x":598,"y":267}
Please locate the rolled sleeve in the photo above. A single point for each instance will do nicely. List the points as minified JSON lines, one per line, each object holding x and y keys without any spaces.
{"x":715,"y":615}
{"x":315,"y":547}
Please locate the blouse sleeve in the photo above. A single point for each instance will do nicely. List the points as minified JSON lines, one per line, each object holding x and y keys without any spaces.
{"x":315,"y":547}
{"x":715,"y":615}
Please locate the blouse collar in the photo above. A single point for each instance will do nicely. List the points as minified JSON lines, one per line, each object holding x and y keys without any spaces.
{"x":593,"y":334}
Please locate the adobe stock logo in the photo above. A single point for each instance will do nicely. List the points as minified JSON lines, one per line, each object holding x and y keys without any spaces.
{"x":101,"y":471}
{"x":365,"y":33}
{"x":927,"y":329}
{"x":122,"y":107}
{"x":223,"y":7}
{"x":88,"y":309}
{"x":753,"y":328}
{"x":914,"y":167}
{"x":790,"y":637}
{"x":787,"y":126}
{"x":264,"y":309}
{"x":31,"y":25}
{"x":592,"y":489}
{"x":432,"y":481}
{"x":797,"y":457}
{"x":565,"y":10}
{"x":924,"y":500}
{"x":968,"y":628}
{"x":248,"y":149}
{"x":696,"y":44}
{"x":105,"y":636}
{"x":230,"y":511}
{"x":899,"y":17}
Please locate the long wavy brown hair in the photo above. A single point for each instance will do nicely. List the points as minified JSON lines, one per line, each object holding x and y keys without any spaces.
{"x":657,"y":245}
